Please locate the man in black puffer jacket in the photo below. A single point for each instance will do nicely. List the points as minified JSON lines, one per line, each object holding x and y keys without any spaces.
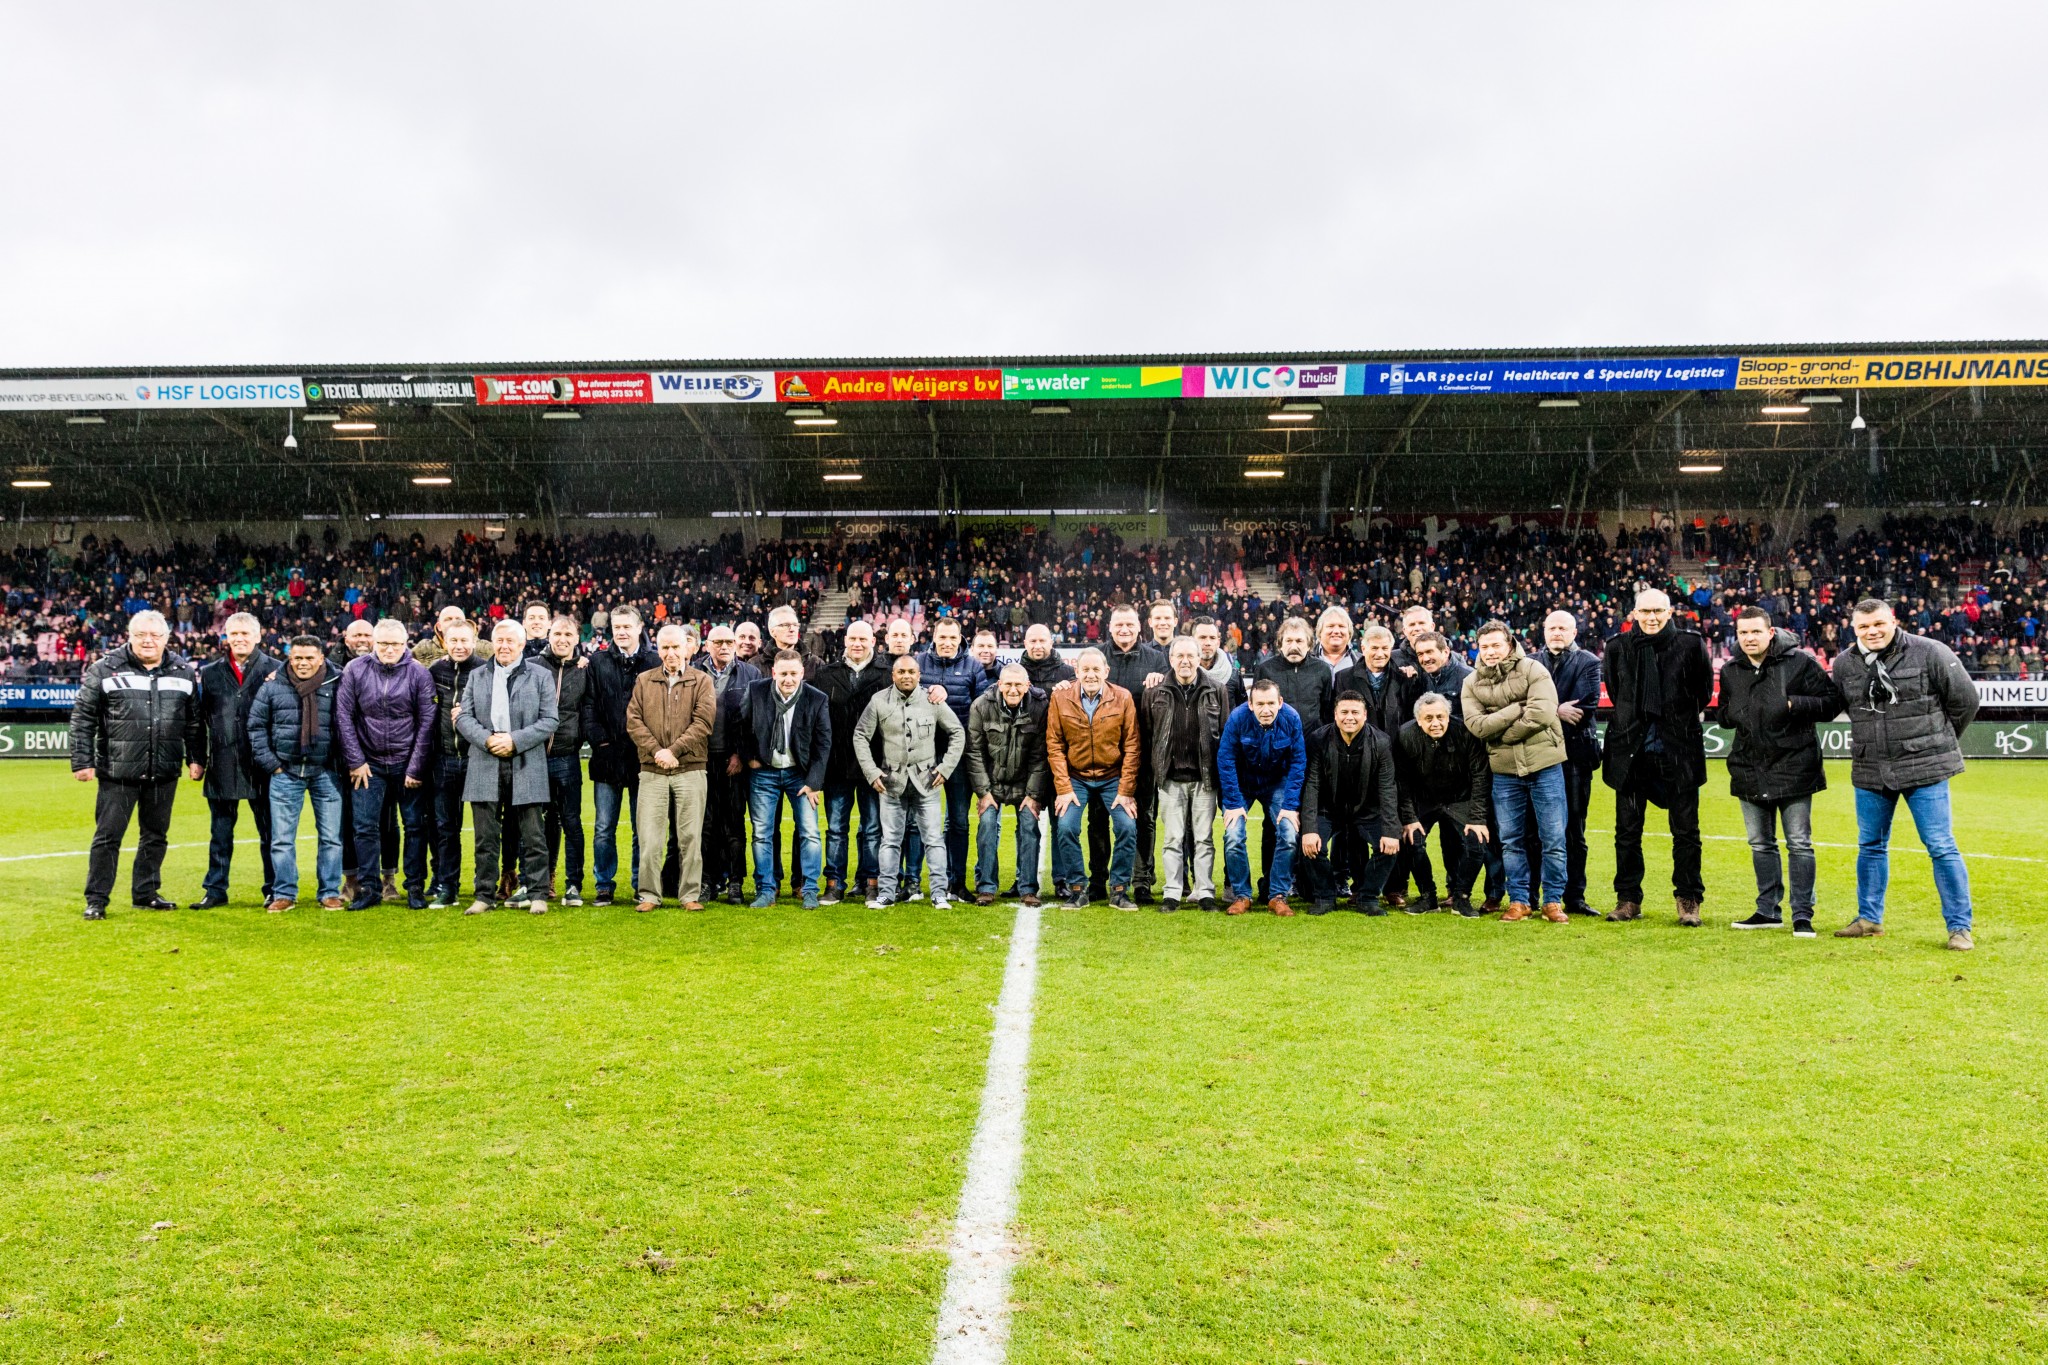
{"x":848,"y":683}
{"x":1350,"y":809}
{"x":227,"y":689}
{"x":136,"y":721}
{"x":291,"y":738}
{"x":615,"y":666}
{"x":1772,"y":696}
{"x":1909,"y":700}
{"x":569,"y":673}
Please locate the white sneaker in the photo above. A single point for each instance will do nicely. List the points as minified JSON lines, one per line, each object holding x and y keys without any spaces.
{"x":939,"y":902}
{"x":877,"y":903}
{"x":478,"y":907}
{"x":537,"y":906}
{"x":914,"y":896}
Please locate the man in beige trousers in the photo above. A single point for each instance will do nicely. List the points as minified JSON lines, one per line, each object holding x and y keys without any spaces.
{"x":669,"y":718}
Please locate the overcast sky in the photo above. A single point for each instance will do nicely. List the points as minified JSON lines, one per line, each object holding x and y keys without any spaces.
{"x":417,"y":182}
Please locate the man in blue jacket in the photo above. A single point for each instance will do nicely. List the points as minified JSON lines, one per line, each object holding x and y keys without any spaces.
{"x":1262,"y":758}
{"x":946,"y":665}
{"x":291,"y":738}
{"x":786,"y":739}
{"x":1576,"y":674}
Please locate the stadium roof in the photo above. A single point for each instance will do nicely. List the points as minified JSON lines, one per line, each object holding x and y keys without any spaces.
{"x":1498,"y":431}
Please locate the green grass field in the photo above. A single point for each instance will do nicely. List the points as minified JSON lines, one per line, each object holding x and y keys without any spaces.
{"x":404,"y":1135}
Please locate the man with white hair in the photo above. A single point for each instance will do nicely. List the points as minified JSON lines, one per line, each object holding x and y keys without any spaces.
{"x":1660,"y":681}
{"x":1576,"y":674}
{"x":1333,"y":640}
{"x":137,"y":716}
{"x":508,"y":715}
{"x":227,"y":689}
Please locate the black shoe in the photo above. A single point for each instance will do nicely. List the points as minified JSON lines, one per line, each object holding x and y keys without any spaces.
{"x":95,"y":911}
{"x":602,"y":898}
{"x":1581,"y":908}
{"x":1142,"y":895}
{"x":365,"y":900}
{"x":210,"y":901}
{"x":415,"y":901}
{"x":1096,"y":893}
{"x":1374,"y":908}
{"x":1424,"y":903}
{"x":1464,"y":906}
{"x":1077,"y":898}
{"x":156,"y":903}
{"x":1119,"y":901}
{"x":1168,"y":906}
{"x":735,"y":894}
{"x":1208,"y":903}
{"x":1321,"y":907}
{"x":1803,"y":928}
{"x":1759,"y":920}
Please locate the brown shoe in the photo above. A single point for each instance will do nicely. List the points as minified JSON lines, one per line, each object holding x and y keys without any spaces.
{"x":693,"y":905}
{"x":349,"y":886}
{"x":1688,"y":912}
{"x":647,"y":904}
{"x":1517,"y":911}
{"x":1624,"y":910}
{"x":1960,"y":941}
{"x":1238,"y":906}
{"x":1492,"y":904}
{"x":1032,"y":901}
{"x":1395,"y":900}
{"x":1279,"y":906}
{"x":1554,"y":912}
{"x":277,"y":905}
{"x":984,"y":898}
{"x":333,"y":903}
{"x":1859,"y":928}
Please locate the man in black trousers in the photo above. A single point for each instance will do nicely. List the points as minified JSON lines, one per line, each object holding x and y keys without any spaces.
{"x":1660,"y":681}
{"x":227,"y":688}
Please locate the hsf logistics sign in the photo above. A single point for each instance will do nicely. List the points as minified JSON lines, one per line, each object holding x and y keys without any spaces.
{"x":236,"y":391}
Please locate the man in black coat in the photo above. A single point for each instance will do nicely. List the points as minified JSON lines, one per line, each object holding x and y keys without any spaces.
{"x":614,"y":760}
{"x":227,"y":688}
{"x":1447,"y":784}
{"x":137,"y":715}
{"x":1350,"y":805}
{"x":1773,"y":694}
{"x":1576,"y":674}
{"x":725,"y":779}
{"x":1042,"y":663}
{"x":1660,"y":680}
{"x":448,"y":768}
{"x":784,"y":730}
{"x":848,"y":683}
{"x":562,"y":822}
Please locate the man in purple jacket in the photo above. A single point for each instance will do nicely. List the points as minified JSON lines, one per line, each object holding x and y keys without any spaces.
{"x":385,"y":713}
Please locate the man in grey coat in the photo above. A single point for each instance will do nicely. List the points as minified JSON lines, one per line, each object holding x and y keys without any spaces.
{"x":911,"y":773}
{"x":1909,"y":700}
{"x":508,"y":714}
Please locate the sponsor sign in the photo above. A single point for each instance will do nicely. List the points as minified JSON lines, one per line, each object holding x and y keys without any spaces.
{"x":1272,"y":379}
{"x":385,"y":389}
{"x":1550,"y":376}
{"x":1044,"y":383}
{"x":234,"y":391}
{"x":38,"y":696}
{"x":883,"y":386}
{"x":34,"y":741}
{"x":2000,"y":694}
{"x":1927,"y":370}
{"x":714,"y":386}
{"x":2017,"y":739}
{"x":527,"y":389}
{"x":1136,"y":528}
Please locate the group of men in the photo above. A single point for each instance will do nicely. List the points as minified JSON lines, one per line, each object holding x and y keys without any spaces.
{"x":887,"y":760}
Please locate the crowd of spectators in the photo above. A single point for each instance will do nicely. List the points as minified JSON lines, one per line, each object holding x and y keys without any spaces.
{"x":1979,"y":591}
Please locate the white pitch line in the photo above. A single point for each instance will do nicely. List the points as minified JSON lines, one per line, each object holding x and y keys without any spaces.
{"x":974,"y":1314}
{"x":128,"y":852}
{"x":1896,"y":848}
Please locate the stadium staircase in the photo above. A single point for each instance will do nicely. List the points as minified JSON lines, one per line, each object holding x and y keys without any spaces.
{"x":830,"y":613}
{"x":1265,"y":583}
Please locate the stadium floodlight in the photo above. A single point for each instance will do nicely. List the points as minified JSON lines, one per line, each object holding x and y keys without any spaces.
{"x":1857,"y":423}
{"x":1265,"y":473}
{"x":1699,"y":469}
{"x":31,"y":483}
{"x":291,"y":440}
{"x":797,"y":414}
{"x":1785,"y":409}
{"x":816,"y":422}
{"x":321,"y":417}
{"x":1820,"y":398}
{"x":842,"y":478}
{"x":561,"y":415}
{"x":1557,"y":402}
{"x":432,"y":480}
{"x":1290,"y":417}
{"x":85,"y":421}
{"x":1050,"y":409}
{"x":1301,"y":405}
{"x":355,"y":426}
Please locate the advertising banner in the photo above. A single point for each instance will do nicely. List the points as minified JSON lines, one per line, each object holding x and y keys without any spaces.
{"x":1272,"y":379}
{"x":2001,"y":694}
{"x":1041,"y":383}
{"x":391,"y":389}
{"x":714,"y":386}
{"x":883,"y":386}
{"x":1136,"y":528}
{"x":235,"y":391}
{"x":18,"y":740}
{"x":1549,"y":376}
{"x":1932,"y":370}
{"x":38,"y":696}
{"x":510,"y":389}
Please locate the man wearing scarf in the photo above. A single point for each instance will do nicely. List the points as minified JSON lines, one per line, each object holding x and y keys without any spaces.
{"x":291,"y":740}
{"x":1909,"y":699}
{"x":1660,"y":681}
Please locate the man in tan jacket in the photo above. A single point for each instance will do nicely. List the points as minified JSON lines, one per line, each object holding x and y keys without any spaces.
{"x":1091,"y":744}
{"x":669,"y":719}
{"x":1511,"y":705}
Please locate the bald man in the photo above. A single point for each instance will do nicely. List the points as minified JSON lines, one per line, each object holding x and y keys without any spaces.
{"x":1660,"y":682}
{"x":385,"y":714}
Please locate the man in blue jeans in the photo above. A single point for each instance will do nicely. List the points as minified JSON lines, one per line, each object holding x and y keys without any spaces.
{"x":1909,"y":701}
{"x":1006,"y":766}
{"x":1510,"y":705}
{"x":291,"y":739}
{"x":1262,"y":757}
{"x":1091,"y":745}
{"x":384,"y":714}
{"x":785,"y":739}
